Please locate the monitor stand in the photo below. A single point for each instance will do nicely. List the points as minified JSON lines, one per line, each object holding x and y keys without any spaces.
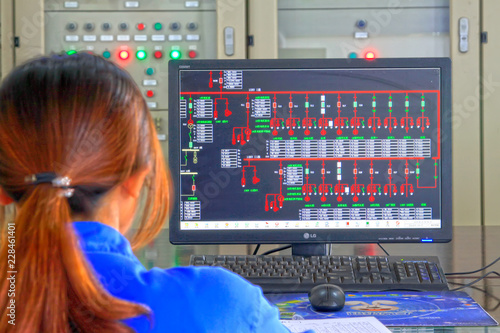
{"x":310,"y":249}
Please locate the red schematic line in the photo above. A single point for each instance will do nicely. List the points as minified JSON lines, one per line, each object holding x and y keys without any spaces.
{"x":307,"y":189}
{"x":277,"y":199}
{"x":314,"y":92}
{"x":332,"y":158}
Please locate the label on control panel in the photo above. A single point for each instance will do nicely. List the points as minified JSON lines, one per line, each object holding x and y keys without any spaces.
{"x":192,"y":37}
{"x":89,"y":38}
{"x":141,"y":38}
{"x":149,"y":82}
{"x":71,"y":38}
{"x":107,"y":38}
{"x":152,"y":105}
{"x":191,"y":4}
{"x":162,"y":137}
{"x":123,"y":38}
{"x":131,"y":4}
{"x":174,"y":37}
{"x":70,"y":4}
{"x":158,"y":38}
{"x":361,"y":34}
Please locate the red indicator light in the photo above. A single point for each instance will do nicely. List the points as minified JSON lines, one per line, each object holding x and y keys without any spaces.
{"x":192,"y":54}
{"x":150,"y":93}
{"x":123,"y":55}
{"x":141,"y":26}
{"x":369,"y":55}
{"x":158,"y":54}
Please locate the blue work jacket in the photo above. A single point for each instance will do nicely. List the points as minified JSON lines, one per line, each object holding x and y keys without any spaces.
{"x":181,"y":299}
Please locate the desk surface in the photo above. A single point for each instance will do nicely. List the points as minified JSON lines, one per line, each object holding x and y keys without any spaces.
{"x":472,"y":248}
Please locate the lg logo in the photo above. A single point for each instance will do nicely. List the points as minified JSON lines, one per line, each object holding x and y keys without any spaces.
{"x":308,"y":235}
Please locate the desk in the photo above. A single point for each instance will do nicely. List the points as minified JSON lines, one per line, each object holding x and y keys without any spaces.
{"x":472,"y":247}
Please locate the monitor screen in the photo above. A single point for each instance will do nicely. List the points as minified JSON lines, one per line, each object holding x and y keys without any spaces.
{"x":310,"y":151}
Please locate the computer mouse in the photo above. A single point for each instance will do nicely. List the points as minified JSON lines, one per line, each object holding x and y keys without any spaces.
{"x":327,"y":297}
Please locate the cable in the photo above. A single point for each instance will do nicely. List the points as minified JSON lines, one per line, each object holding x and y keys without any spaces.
{"x":477,"y":270}
{"x":475,"y":281}
{"x":256,"y":250}
{"x":386,"y":253}
{"x":277,"y":249}
{"x":488,"y":294}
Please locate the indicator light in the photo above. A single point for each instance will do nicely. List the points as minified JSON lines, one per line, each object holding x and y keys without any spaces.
{"x":150,"y":93}
{"x":192,"y":54}
{"x":427,"y":240}
{"x":71,"y":52}
{"x":123,"y":55}
{"x":150,"y":71}
{"x":369,"y":55}
{"x":141,"y":26}
{"x":158,"y":26}
{"x":352,"y":55}
{"x":175,"y":54}
{"x":106,"y":54}
{"x":141,"y":55}
{"x":158,"y":54}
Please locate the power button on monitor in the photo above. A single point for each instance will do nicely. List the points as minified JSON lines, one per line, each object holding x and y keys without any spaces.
{"x":229,"y":41}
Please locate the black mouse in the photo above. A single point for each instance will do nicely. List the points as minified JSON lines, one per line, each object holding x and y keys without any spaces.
{"x":327,"y":297}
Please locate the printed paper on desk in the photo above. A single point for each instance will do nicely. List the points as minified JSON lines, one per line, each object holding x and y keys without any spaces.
{"x":340,"y":325}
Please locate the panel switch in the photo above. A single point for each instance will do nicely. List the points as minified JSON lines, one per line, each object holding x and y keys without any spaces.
{"x":229,"y":41}
{"x":463,"y":27}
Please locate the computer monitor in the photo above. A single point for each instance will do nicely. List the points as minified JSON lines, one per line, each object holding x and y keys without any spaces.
{"x":310,"y":151}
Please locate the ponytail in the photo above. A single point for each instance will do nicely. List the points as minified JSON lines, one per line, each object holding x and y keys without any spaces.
{"x":50,"y":122}
{"x":49,"y":263}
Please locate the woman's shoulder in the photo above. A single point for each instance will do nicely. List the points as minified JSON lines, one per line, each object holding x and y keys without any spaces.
{"x":198,"y":299}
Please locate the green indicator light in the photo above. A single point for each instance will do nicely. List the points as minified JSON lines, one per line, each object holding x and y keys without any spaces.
{"x":141,"y":55}
{"x":175,"y":54}
{"x":355,"y":104}
{"x":353,"y":55}
{"x":150,"y":71}
{"x":106,"y":54}
{"x":407,"y":104}
{"x":423,"y":103}
{"x":307,"y":104}
{"x":71,"y":52}
{"x":390,"y":104}
{"x":158,"y":26}
{"x":374,"y":104}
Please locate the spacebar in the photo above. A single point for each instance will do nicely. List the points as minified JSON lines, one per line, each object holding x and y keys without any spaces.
{"x":281,"y":284}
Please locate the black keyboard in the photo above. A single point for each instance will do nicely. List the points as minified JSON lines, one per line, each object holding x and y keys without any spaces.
{"x":289,"y":274}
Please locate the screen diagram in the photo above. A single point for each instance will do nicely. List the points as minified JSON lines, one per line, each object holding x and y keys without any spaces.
{"x":317,"y":148}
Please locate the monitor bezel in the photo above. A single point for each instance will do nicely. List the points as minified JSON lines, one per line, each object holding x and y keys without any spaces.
{"x":312,"y":235}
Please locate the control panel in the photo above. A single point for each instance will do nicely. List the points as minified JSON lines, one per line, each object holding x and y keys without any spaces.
{"x":142,"y":43}
{"x":363,"y":29}
{"x":140,"y":36}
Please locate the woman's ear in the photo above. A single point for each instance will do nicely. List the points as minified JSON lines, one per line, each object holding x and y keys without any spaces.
{"x":133,"y":185}
{"x":4,"y":198}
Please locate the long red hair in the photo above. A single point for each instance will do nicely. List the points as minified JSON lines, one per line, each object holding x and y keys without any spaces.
{"x":82,"y":117}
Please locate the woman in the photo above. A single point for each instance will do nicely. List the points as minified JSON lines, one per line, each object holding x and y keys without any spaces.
{"x":77,"y":144}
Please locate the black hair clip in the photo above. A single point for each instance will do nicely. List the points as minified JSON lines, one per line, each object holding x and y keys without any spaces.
{"x":52,"y":178}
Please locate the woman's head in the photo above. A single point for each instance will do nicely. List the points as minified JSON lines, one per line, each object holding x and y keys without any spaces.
{"x":84,"y":118}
